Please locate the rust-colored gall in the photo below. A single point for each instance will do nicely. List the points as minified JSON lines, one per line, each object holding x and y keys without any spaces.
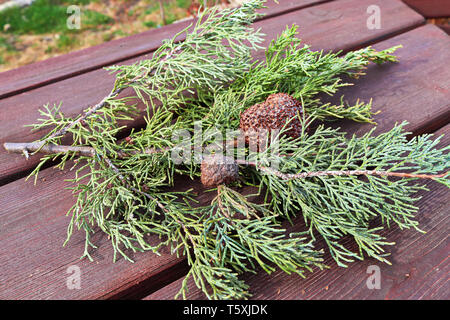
{"x":218,"y":169}
{"x":274,"y":113}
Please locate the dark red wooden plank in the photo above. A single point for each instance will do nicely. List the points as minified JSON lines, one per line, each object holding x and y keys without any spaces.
{"x":419,"y":270}
{"x":419,"y":85}
{"x":430,"y":8}
{"x":337,"y":25}
{"x":81,"y":61}
{"x":33,"y":263}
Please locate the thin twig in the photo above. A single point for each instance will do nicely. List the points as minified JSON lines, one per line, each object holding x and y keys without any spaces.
{"x":60,"y":133}
{"x":162,"y":13}
{"x":126,"y":182}
{"x":89,"y":151}
{"x":50,"y":148}
{"x":85,"y":151}
{"x":221,"y":208}
{"x":159,"y":204}
{"x":83,"y":116}
{"x":302,"y":175}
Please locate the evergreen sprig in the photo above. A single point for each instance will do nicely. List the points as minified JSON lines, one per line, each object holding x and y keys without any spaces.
{"x":234,"y":239}
{"x":337,"y":184}
{"x":338,"y":205}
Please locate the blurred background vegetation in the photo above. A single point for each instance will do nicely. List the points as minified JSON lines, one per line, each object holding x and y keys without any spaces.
{"x":39,"y":31}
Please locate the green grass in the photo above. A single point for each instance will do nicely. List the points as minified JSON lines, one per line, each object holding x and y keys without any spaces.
{"x":66,"y":41}
{"x":183,"y":3}
{"x":168,"y":5}
{"x":153,"y":8}
{"x":91,"y":19}
{"x":6,"y":45}
{"x":70,"y":2}
{"x":45,"y":16}
{"x":170,"y":16}
{"x":108,"y":36}
{"x":150,"y":24}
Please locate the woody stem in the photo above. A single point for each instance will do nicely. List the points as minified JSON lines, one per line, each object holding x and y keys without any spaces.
{"x":25,"y":147}
{"x":89,"y":151}
{"x":302,"y":175}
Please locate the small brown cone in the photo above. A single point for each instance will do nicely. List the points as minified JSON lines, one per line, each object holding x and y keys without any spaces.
{"x":274,"y":113}
{"x":218,"y":169}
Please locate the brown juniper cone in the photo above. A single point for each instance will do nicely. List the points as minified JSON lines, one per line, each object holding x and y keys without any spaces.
{"x":272,"y":114}
{"x":218,"y":169}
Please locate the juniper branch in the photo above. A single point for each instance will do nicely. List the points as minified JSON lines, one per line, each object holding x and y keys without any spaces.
{"x":303,"y":175}
{"x":90,"y":152}
{"x":335,"y":202}
{"x":122,"y":187}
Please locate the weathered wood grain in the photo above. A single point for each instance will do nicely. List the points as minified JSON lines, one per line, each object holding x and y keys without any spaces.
{"x":337,"y":25}
{"x":417,"y":87}
{"x":33,"y":263}
{"x":420,"y":265}
{"x":430,"y":8}
{"x":81,"y":61}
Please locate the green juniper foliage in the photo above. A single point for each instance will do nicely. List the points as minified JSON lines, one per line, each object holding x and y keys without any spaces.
{"x":122,"y":187}
{"x":335,"y":206}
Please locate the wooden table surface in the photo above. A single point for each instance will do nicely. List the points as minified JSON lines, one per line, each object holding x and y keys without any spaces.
{"x":33,"y":221}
